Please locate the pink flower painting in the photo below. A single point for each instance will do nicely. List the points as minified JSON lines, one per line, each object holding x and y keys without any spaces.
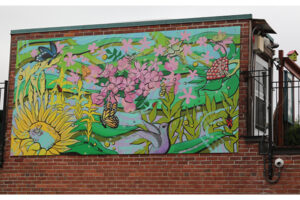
{"x":59,"y":47}
{"x":222,"y":45}
{"x":187,"y":95}
{"x":172,"y":80}
{"x":95,"y":73}
{"x":70,"y":59}
{"x":84,"y":59}
{"x":185,"y":36}
{"x":187,"y":49}
{"x":128,"y":107}
{"x":74,"y":77}
{"x":34,"y":53}
{"x":159,"y":50}
{"x":145,"y":44}
{"x":126,"y":45}
{"x":207,"y":57}
{"x":92,"y":47}
{"x":172,"y":65}
{"x":173,"y":41}
{"x":192,"y":74}
{"x":202,"y":41}
{"x":124,"y":64}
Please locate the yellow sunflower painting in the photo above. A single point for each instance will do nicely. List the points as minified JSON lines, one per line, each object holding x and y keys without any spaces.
{"x":38,"y":128}
{"x":46,"y":132}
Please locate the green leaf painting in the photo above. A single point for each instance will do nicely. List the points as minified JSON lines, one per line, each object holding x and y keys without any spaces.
{"x":160,"y":92}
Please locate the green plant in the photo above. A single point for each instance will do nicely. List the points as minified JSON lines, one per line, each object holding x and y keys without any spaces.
{"x":292,"y":136}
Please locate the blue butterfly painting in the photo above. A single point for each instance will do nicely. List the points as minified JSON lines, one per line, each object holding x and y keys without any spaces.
{"x":46,"y":53}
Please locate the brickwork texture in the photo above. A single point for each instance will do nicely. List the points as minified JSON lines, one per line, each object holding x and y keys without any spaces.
{"x":236,"y":173}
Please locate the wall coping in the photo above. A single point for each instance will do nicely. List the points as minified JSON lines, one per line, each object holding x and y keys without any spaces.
{"x":132,"y":24}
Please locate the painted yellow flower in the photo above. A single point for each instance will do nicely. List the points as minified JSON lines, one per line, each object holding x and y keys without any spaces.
{"x":41,"y":130}
{"x":104,"y":57}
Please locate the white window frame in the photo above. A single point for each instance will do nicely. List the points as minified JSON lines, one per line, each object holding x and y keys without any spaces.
{"x":261,"y":64}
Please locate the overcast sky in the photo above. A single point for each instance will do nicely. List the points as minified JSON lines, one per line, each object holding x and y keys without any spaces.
{"x":285,"y":20}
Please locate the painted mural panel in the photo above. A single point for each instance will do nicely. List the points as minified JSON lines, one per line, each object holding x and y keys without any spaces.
{"x":136,"y":93}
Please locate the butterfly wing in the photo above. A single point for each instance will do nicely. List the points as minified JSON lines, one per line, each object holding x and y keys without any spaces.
{"x":53,"y":49}
{"x":45,"y":53}
{"x":108,"y":116}
{"x":113,"y":109}
{"x":112,"y":121}
{"x":85,"y":71}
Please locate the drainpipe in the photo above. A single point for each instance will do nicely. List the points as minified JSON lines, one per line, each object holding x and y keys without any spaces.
{"x":280,"y":100}
{"x":250,"y":85}
{"x":270,"y":175}
{"x":270,"y":152}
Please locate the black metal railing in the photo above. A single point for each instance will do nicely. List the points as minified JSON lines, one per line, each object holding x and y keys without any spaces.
{"x":3,"y":111}
{"x":291,"y":109}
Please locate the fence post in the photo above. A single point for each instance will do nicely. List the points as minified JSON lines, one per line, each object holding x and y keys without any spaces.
{"x":280,"y":99}
{"x":3,"y":122}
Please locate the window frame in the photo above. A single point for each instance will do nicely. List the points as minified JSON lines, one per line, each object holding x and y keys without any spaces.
{"x":261,"y":92}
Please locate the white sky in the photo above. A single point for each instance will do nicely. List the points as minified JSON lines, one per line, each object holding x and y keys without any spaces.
{"x":285,"y":20}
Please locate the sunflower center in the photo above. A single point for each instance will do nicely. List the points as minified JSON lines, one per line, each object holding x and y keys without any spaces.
{"x":44,"y":134}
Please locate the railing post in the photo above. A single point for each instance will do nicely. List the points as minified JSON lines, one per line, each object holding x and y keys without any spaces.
{"x":3,"y":122}
{"x":280,"y":100}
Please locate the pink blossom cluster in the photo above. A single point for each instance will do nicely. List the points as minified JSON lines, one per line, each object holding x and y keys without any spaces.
{"x":144,"y":77}
{"x":148,"y":77}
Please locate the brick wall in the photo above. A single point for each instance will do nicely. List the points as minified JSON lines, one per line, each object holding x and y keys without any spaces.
{"x":179,"y":173}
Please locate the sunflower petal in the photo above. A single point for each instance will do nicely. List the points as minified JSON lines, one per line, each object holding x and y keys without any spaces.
{"x":19,"y":126}
{"x":46,"y":114}
{"x":25,"y":118}
{"x":61,"y":148}
{"x":49,"y":153}
{"x":66,"y":134}
{"x":35,"y":147}
{"x":58,"y":119}
{"x":26,"y":142}
{"x":67,"y":142}
{"x":31,"y":153}
{"x":42,"y":83}
{"x":36,"y":108}
{"x":62,"y":123}
{"x":20,"y":134}
{"x":51,"y":117}
{"x":46,"y":96}
{"x":15,"y":144}
{"x":53,"y":151}
{"x":42,"y":152}
{"x":30,"y":93}
{"x":41,"y":112}
{"x":24,"y":145}
{"x":30,"y":114}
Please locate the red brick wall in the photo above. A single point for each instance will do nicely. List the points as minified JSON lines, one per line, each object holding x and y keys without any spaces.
{"x":182,"y":173}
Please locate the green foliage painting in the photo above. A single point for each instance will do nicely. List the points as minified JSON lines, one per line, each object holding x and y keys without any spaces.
{"x":136,"y":93}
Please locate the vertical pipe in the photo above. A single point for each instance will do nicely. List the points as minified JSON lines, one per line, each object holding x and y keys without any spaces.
{"x":5,"y":106}
{"x":293,"y":97}
{"x":280,"y":100}
{"x":270,"y":106}
{"x":251,"y":87}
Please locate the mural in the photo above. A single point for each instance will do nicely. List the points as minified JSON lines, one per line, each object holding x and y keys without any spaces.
{"x":137,"y":93}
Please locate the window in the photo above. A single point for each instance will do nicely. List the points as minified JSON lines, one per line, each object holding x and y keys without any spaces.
{"x":260,"y":123}
{"x":261,"y":97}
{"x":288,"y":93}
